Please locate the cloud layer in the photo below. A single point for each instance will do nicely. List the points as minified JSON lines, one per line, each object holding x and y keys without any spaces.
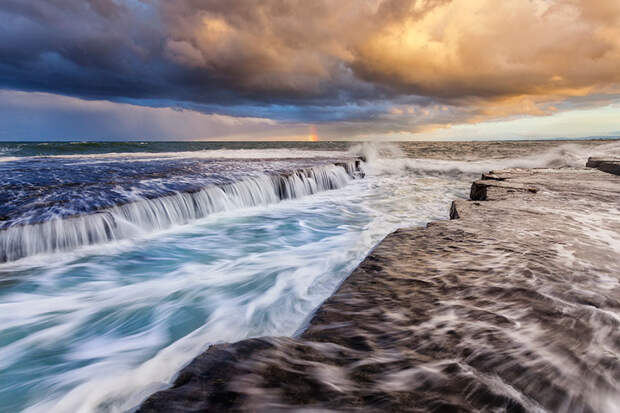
{"x":383,"y":66}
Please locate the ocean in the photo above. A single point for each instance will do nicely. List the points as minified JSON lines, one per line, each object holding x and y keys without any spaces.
{"x":121,"y":262}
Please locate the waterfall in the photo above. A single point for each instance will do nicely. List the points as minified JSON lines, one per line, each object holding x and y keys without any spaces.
{"x":147,"y":215}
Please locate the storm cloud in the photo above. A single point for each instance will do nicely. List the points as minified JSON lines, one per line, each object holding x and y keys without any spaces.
{"x":381,"y":65}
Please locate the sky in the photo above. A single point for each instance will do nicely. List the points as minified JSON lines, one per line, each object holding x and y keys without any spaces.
{"x":308,"y":70}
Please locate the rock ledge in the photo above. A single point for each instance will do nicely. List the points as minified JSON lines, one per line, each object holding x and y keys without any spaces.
{"x":514,"y":306}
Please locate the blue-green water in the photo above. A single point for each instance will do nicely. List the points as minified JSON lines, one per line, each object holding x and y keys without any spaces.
{"x":100,"y":326}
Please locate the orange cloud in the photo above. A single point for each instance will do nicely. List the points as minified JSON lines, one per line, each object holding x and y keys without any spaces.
{"x":486,"y":48}
{"x":505,"y":57}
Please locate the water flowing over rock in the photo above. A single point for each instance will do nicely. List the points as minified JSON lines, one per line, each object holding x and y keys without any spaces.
{"x":514,"y":306}
{"x":158,"y":213}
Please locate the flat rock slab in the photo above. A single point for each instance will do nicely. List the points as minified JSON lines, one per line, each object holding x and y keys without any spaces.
{"x":610,"y":165}
{"x":515,"y":306}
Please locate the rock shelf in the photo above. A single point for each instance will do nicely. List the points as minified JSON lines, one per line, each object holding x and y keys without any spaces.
{"x":513,"y":305}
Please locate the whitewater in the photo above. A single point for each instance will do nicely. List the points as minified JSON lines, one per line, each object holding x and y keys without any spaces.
{"x":120,"y":264}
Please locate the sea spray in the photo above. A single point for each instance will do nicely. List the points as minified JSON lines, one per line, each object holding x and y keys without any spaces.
{"x":389,"y":158}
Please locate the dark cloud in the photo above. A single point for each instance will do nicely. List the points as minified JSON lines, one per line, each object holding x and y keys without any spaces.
{"x":316,"y":61}
{"x":108,"y":49}
{"x":87,"y":48}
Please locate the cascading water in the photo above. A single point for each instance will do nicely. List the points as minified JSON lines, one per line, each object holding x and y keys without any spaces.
{"x":100,"y":328}
{"x":148,"y":215}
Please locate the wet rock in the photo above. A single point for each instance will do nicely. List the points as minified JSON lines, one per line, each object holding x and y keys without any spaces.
{"x":514,"y":306}
{"x":493,"y":183}
{"x":610,"y":165}
{"x":203,"y":385}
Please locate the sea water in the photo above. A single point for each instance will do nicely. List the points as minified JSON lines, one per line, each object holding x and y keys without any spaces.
{"x":171,"y":247}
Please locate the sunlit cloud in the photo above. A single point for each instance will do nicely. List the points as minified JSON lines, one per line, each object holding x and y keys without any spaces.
{"x":352,"y":68}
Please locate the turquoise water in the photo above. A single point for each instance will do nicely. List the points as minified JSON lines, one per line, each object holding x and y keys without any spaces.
{"x":100,"y":327}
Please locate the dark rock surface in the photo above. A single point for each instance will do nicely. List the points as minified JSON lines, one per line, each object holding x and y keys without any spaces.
{"x":610,"y":165}
{"x":515,"y":306}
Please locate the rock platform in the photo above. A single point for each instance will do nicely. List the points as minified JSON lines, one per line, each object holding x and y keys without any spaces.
{"x":513,"y":305}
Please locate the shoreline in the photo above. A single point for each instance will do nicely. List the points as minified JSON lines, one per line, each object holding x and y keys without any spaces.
{"x":513,"y":304}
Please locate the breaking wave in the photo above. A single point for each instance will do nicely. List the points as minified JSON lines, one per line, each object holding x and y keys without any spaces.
{"x":389,"y":159}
